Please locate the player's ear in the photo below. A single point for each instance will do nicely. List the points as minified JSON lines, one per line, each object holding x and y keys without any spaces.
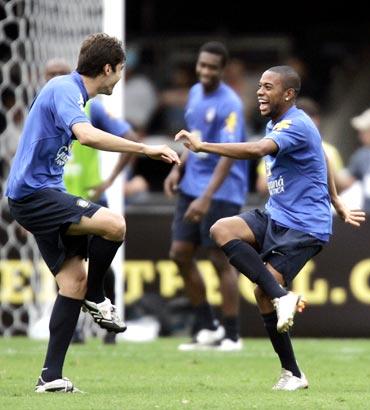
{"x":107,"y":69}
{"x":289,"y":94}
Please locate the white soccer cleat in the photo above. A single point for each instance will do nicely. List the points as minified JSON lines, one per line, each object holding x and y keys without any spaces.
{"x":229,"y":345}
{"x":105,"y":315}
{"x":286,"y":307}
{"x":208,"y":337}
{"x":56,"y":386}
{"x":205,"y":339}
{"x":288,"y":382}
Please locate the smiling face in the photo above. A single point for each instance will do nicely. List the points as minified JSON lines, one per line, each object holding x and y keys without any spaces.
{"x":273,"y":97}
{"x":209,"y":70}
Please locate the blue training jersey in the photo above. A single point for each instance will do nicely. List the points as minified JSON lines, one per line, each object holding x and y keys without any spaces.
{"x":100,"y":118}
{"x":215,"y":117}
{"x":46,"y":139}
{"x":297,"y":176}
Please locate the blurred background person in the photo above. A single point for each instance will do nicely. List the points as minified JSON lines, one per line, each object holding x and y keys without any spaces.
{"x":356,"y":180}
{"x":209,"y":188}
{"x":172,"y":98}
{"x":140,"y":93}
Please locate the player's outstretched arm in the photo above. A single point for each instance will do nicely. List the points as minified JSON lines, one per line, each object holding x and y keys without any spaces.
{"x":351,"y":216}
{"x":236,"y":150}
{"x":95,"y":138}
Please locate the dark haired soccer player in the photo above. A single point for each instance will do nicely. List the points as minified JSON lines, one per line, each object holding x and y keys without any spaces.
{"x":61,"y":222}
{"x":209,"y":188}
{"x":82,"y":173}
{"x":270,"y":247}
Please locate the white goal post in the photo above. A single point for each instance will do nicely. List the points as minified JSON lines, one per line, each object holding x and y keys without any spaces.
{"x":113,"y":24}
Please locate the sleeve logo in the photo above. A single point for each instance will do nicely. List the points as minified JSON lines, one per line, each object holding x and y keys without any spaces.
{"x":81,"y":102}
{"x":231,"y":122}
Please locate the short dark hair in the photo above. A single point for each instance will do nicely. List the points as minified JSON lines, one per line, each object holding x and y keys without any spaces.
{"x":216,"y":47}
{"x":96,"y":51}
{"x":290,"y":77}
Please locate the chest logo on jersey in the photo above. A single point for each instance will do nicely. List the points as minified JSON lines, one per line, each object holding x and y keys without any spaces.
{"x":231,"y":121}
{"x":282,"y":125}
{"x":210,"y":114}
{"x":276,"y":186}
{"x":63,"y":154}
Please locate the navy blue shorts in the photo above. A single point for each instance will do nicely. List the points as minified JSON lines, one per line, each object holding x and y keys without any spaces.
{"x":198,"y":233}
{"x":287,"y":250}
{"x":47,"y":214}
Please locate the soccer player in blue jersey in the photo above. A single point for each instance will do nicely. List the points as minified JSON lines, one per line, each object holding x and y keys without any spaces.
{"x":209,"y":188}
{"x":270,"y":247}
{"x":59,"y":221}
{"x":82,"y":174}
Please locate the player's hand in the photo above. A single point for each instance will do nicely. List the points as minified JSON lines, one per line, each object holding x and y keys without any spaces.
{"x":191,"y":141}
{"x":197,"y":209}
{"x":162,"y":152}
{"x":350,"y":216}
{"x":170,"y":184}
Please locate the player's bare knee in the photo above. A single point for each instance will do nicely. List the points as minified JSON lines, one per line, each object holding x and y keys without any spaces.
{"x":75,"y":288}
{"x":116,"y":230}
{"x":219,"y":232}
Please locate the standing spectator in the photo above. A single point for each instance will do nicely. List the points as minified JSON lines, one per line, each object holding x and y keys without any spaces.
{"x":209,"y":188}
{"x":140,"y":94}
{"x":359,"y":163}
{"x":172,"y":101}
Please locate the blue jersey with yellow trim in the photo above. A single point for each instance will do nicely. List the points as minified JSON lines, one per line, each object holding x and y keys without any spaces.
{"x":297,"y":176}
{"x":215,"y":117}
{"x":45,"y":143}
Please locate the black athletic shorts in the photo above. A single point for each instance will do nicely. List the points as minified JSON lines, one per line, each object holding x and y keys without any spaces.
{"x":198,"y":233}
{"x":47,"y":214}
{"x":287,"y":250}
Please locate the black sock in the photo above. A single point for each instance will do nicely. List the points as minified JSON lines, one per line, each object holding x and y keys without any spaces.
{"x":109,"y":282}
{"x":231,"y":325}
{"x":282,"y":344}
{"x":62,"y":324}
{"x":247,"y":261}
{"x":101,"y":254}
{"x":204,"y":318}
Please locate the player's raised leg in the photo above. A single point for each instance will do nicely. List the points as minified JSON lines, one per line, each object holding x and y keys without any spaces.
{"x":108,"y":230}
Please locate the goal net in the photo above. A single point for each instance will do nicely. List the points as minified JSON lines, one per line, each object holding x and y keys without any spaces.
{"x":31,"y":32}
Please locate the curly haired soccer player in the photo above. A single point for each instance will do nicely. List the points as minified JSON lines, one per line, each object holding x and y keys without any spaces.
{"x":270,"y":247}
{"x":62,"y":222}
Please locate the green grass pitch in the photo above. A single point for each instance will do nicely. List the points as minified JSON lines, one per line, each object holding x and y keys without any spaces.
{"x":156,"y":375}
